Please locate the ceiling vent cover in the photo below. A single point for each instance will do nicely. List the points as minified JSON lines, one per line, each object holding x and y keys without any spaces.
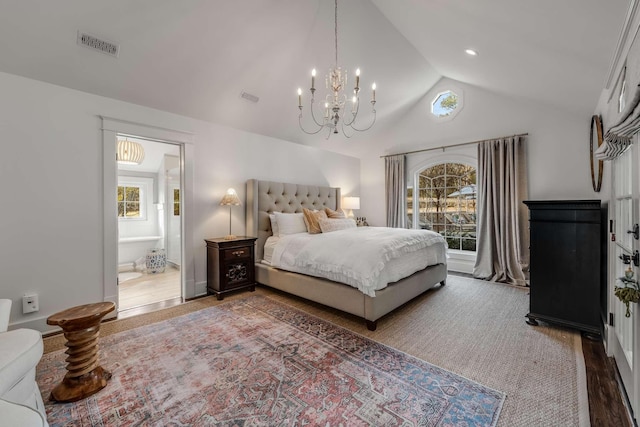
{"x":92,"y":42}
{"x":249,"y":97}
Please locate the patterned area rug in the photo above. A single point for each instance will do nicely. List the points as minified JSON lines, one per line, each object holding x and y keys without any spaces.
{"x":256,"y":361}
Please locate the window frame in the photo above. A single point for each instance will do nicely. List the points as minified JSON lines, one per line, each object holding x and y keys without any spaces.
{"x":176,"y":202}
{"x":448,"y":230}
{"x":433,"y":97}
{"x":459,"y":260}
{"x":142,"y":191}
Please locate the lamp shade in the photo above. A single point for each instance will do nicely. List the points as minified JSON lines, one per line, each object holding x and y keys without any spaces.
{"x":351,"y":202}
{"x":129,"y":152}
{"x":230,"y":198}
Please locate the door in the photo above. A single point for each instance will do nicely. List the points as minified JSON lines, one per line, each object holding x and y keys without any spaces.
{"x":622,"y":342}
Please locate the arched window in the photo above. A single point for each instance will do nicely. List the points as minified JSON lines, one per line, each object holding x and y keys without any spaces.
{"x":446,"y":203}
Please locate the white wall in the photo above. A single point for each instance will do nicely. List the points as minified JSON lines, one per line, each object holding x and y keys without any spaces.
{"x":52,"y":244}
{"x":558,"y":151}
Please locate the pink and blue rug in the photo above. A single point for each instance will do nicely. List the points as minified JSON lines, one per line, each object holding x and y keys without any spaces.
{"x":257,"y":362}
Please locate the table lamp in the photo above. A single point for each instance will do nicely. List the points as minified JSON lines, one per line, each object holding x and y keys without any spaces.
{"x":350,"y":203}
{"x":230,"y":199}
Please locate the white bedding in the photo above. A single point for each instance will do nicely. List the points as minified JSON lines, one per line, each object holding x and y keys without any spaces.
{"x":269,"y":247}
{"x":367,"y":258}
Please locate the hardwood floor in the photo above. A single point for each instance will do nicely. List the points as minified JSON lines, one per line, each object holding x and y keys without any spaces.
{"x":149,"y":289}
{"x":606,"y":403}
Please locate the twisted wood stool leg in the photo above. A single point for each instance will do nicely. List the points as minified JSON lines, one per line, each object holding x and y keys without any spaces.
{"x":84,"y":375}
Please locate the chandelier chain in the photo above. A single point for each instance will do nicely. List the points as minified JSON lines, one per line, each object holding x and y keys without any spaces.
{"x":336,"y":32}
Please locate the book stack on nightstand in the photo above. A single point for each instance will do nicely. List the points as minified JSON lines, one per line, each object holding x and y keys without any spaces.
{"x":230,"y":265}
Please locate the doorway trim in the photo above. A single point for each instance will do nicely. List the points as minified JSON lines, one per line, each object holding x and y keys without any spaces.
{"x":111,"y":127}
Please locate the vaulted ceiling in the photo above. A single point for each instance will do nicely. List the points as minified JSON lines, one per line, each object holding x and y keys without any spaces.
{"x":195,"y":57}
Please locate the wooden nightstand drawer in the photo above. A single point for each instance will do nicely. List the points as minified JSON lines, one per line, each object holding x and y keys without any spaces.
{"x":237,"y":253}
{"x":230,"y":265}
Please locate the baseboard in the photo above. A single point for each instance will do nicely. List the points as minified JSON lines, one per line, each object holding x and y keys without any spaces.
{"x":38,"y":324}
{"x":623,"y":393}
{"x":461,"y":261}
{"x":201,"y":289}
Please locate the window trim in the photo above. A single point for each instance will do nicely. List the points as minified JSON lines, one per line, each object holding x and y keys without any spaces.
{"x":416,"y":195}
{"x":144,"y":187}
{"x":434,"y":95}
{"x":459,"y":260}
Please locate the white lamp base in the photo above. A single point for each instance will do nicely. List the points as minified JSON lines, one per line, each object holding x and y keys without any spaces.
{"x":230,"y":237}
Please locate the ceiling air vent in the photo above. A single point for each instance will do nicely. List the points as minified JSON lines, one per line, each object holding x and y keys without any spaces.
{"x":249,"y":97}
{"x":92,"y":42}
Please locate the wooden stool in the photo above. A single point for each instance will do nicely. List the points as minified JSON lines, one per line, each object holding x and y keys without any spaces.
{"x":81,"y":326}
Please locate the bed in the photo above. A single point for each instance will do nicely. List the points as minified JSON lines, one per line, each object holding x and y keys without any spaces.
{"x":266,"y":197}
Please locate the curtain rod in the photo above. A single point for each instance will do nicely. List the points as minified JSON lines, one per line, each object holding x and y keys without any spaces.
{"x":444,"y":147}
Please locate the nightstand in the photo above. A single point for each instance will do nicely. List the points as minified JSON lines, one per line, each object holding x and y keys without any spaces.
{"x":230,"y":265}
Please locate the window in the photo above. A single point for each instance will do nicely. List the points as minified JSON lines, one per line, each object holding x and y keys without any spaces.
{"x":446,"y":203}
{"x":623,"y":89}
{"x":445,"y":104}
{"x":130,"y":202}
{"x":176,"y":202}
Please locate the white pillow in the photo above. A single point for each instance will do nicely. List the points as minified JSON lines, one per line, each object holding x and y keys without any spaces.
{"x":329,"y":225}
{"x":290,"y":223}
{"x":274,"y":225}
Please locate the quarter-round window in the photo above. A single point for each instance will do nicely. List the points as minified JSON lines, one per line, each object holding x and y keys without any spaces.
{"x":445,"y":104}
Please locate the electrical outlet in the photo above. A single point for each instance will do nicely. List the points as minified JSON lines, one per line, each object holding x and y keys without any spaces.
{"x":30,"y":303}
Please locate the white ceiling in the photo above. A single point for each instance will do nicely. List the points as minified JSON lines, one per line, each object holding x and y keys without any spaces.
{"x":195,"y":57}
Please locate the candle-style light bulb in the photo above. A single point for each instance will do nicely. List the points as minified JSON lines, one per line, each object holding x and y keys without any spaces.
{"x":326,"y":110}
{"x":299,"y":97}
{"x":354,"y":100}
{"x":373,"y":88}
{"x":313,"y":78}
{"x":357,"y":78}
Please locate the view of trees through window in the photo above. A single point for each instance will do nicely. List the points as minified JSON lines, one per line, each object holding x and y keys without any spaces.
{"x":176,"y":202}
{"x":447,"y":203}
{"x":444,"y":104}
{"x":128,"y":202}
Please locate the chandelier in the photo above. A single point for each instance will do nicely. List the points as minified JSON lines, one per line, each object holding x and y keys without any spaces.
{"x":337,"y":112}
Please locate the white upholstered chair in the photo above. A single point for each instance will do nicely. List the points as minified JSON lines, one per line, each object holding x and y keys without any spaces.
{"x":20,"y":351}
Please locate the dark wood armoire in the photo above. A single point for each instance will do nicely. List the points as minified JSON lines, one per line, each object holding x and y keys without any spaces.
{"x":568,"y":262}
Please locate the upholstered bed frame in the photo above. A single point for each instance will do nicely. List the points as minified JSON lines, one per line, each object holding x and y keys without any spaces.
{"x":265,"y":197}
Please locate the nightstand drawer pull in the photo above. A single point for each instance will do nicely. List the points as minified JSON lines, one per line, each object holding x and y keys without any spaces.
{"x":237,"y":253}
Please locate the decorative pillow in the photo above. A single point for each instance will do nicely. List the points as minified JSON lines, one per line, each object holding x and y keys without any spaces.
{"x":311,"y":219}
{"x":329,"y":225}
{"x":335,"y":214}
{"x":274,"y":225}
{"x":290,"y":223}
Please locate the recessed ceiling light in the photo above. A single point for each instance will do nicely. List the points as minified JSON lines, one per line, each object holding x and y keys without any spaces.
{"x":471,"y":52}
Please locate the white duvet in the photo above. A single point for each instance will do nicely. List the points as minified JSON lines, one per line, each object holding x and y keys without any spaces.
{"x":367,"y":258}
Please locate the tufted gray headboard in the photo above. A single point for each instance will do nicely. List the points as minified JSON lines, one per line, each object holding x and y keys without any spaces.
{"x":265,"y":197}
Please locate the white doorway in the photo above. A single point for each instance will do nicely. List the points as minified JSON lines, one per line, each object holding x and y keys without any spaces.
{"x":149,"y":223}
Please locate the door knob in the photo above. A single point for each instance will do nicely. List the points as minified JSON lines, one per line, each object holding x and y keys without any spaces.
{"x":626,"y":259}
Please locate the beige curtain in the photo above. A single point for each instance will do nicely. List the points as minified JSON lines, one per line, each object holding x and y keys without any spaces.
{"x":396,"y":191}
{"x":503,"y":235}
